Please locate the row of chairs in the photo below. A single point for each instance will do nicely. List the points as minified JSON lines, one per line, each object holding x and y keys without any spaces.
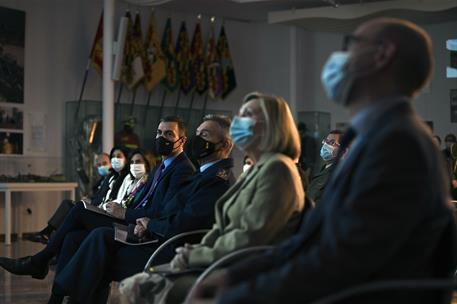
{"x":446,"y":286}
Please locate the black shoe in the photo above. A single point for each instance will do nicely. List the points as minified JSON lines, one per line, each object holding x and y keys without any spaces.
{"x":37,"y":237}
{"x":24,"y":266}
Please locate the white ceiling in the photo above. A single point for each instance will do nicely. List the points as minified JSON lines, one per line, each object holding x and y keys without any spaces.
{"x":297,"y":12}
{"x":253,"y":10}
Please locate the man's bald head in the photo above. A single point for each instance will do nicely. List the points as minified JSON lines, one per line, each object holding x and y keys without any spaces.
{"x":412,"y":60}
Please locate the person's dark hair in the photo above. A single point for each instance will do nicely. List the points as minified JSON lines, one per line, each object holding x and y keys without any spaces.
{"x":119,"y":177}
{"x":142,"y":153}
{"x":179,"y":121}
{"x":123,"y":149}
{"x":450,"y":137}
{"x":222,"y":120}
{"x":413,"y":61}
{"x":336,"y":131}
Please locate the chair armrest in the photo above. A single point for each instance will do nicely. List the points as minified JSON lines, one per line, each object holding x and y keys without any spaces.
{"x":224,"y":261}
{"x":173,"y":239}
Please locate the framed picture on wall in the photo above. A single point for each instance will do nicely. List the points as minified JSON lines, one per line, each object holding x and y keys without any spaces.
{"x":12,"y":42}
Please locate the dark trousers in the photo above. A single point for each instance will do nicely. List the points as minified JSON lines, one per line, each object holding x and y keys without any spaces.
{"x":77,"y":219}
{"x":59,"y":215}
{"x":98,"y":261}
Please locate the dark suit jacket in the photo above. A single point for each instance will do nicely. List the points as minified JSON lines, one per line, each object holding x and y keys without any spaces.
{"x":318,"y":182}
{"x":168,"y":184}
{"x":193,"y":206}
{"x":384,"y":215}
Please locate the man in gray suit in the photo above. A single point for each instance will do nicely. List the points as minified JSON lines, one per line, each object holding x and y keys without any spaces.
{"x":385,"y":214}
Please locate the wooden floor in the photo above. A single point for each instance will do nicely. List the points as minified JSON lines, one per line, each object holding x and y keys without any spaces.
{"x":24,"y":289}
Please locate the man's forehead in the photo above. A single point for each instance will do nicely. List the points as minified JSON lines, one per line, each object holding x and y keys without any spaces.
{"x":333,"y":136}
{"x":208,"y":125}
{"x":169,"y":125}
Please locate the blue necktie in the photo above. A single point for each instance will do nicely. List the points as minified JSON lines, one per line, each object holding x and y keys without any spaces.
{"x":154,"y":183}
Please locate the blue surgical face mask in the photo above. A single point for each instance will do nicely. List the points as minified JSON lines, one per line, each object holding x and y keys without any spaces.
{"x":335,"y":79}
{"x":117,"y":163}
{"x":103,"y":170}
{"x":242,"y":131}
{"x":327,"y":152}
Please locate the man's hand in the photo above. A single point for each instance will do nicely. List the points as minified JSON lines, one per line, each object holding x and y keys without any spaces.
{"x":115,"y":210}
{"x":141,"y":227}
{"x":212,"y":287}
{"x":181,"y":259}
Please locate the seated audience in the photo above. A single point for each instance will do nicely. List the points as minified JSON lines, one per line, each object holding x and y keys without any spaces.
{"x":265,"y":205}
{"x":165,"y":179}
{"x":101,"y":259}
{"x":100,"y":190}
{"x":385,"y":213}
{"x":329,"y":150}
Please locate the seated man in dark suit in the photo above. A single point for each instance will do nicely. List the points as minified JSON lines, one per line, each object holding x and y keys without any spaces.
{"x":385,"y":214}
{"x":101,"y":259}
{"x":165,"y":181}
{"x":329,"y":150}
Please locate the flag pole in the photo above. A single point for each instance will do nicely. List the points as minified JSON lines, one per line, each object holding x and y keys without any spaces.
{"x":118,"y":102}
{"x":177,"y":102}
{"x":205,"y":102}
{"x":147,"y":108}
{"x":190,"y":107}
{"x":83,"y":88}
{"x":162,"y":103}
{"x":133,"y":102}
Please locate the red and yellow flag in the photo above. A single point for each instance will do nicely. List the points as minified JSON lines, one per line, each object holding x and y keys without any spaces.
{"x":171,"y":78}
{"x":96,"y":54}
{"x":132,"y":72}
{"x":183,"y":59}
{"x":215,"y":77}
{"x":198,"y":64}
{"x":228,"y":72}
{"x":155,"y":63}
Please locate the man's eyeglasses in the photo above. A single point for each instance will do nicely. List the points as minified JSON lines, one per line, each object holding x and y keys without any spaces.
{"x":331,"y":142}
{"x":350,"y":39}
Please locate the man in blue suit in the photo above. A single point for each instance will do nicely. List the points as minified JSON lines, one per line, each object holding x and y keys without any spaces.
{"x":385,"y":214}
{"x":101,"y":259}
{"x":165,"y":180}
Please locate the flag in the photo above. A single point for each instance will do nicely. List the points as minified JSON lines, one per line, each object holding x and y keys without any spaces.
{"x":183,"y":60}
{"x":171,"y":79}
{"x":198,"y":66}
{"x":96,"y":53}
{"x":155,"y":63}
{"x":132,"y":68}
{"x":215,"y":77}
{"x":228,"y":73}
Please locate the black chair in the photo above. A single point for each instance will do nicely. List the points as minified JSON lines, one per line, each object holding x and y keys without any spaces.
{"x":177,"y":240}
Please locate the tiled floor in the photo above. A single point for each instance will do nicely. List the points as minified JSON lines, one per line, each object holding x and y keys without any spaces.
{"x":24,"y":289}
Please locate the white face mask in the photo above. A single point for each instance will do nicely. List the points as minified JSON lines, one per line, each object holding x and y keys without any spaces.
{"x":138,"y":170}
{"x":117,"y":163}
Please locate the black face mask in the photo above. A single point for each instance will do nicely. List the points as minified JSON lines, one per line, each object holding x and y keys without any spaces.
{"x":163,"y":146}
{"x":201,"y":148}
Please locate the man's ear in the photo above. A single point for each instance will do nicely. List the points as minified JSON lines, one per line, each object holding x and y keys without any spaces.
{"x":385,"y":55}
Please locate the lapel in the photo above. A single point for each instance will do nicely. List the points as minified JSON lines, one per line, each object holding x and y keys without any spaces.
{"x":230,"y":197}
{"x":340,"y":177}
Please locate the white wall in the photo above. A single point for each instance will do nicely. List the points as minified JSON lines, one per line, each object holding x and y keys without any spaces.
{"x":59,"y":36}
{"x":432,"y":105}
